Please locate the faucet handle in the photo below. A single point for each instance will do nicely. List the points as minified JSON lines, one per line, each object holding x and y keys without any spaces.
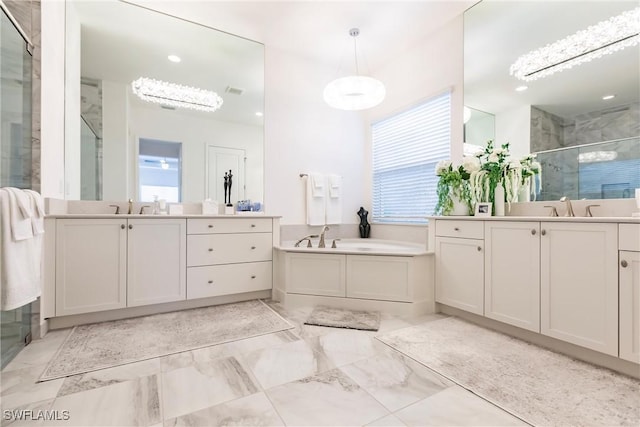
{"x":117,"y":208}
{"x":333,"y":244}
{"x":589,"y":213}
{"x":142,"y":209}
{"x":554,"y":211}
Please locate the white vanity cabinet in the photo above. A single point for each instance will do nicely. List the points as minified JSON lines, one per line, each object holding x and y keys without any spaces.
{"x":156,"y":261}
{"x":228,"y":256}
{"x":91,"y":265}
{"x":579,"y":284}
{"x":105,"y":264}
{"x":512,"y":273}
{"x":629,"y":273}
{"x":459,"y":264}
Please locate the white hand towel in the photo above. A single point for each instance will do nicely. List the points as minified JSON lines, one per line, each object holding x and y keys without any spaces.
{"x":37,"y":207}
{"x":315,"y":199}
{"x":20,"y":278}
{"x":19,"y":205}
{"x":334,"y":201}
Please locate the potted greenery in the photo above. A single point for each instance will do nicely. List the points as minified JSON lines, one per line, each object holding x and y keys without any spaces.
{"x":454,"y":191}
{"x":528,"y":182}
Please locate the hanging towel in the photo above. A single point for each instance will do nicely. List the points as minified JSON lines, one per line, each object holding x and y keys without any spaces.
{"x":20,"y":269}
{"x":334,"y":201}
{"x":37,"y":207}
{"x":19,"y":214}
{"x":316,"y":199}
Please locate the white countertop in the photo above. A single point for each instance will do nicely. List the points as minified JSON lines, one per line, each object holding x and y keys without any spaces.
{"x":632,"y":220}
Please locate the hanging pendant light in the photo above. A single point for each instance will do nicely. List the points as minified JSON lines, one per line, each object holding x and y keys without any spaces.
{"x":354,"y":92}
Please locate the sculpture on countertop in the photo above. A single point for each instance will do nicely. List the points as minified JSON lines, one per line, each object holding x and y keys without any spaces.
{"x":228,"y":181}
{"x":365,"y":227}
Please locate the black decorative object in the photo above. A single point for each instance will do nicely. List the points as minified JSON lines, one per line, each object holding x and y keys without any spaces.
{"x":228,"y":181}
{"x":365,"y":227}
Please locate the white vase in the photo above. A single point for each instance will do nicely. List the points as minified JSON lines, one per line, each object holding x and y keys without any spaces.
{"x":524,"y":192}
{"x":460,"y":208}
{"x":498,"y":200}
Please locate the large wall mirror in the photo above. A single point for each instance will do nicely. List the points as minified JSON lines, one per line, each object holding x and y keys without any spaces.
{"x":583,"y":122}
{"x":118,"y":146}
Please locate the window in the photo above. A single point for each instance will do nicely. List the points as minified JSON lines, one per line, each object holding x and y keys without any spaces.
{"x":406,"y":148}
{"x":159,"y":170}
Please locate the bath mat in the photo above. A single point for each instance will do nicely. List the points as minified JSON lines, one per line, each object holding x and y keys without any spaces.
{"x":107,"y":344}
{"x":539,"y":386}
{"x":342,"y":318}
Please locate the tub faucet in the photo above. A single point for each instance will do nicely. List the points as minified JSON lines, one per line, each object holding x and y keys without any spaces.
{"x":324,"y":230}
{"x":569,"y":207}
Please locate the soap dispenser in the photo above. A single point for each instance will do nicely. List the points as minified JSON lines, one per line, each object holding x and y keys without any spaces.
{"x":156,"y":206}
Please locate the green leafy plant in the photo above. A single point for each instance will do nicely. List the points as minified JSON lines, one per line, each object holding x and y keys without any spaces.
{"x":453,"y":183}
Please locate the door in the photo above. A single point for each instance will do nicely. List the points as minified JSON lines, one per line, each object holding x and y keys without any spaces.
{"x":579,"y":284}
{"x":460,"y":273}
{"x":156,"y":261}
{"x":512,"y":273}
{"x":221,"y":160}
{"x":91,"y":265}
{"x":630,"y":306}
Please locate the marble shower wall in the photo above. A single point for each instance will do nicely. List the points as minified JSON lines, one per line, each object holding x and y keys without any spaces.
{"x":27,"y":13}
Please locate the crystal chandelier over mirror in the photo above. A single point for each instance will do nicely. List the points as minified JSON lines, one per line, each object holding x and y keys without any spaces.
{"x":175,"y":95}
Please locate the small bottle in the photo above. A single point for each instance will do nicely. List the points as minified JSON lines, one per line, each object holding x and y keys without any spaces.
{"x":156,"y":206}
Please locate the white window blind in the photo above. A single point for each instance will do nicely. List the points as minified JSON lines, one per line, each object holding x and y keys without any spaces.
{"x":406,"y":148}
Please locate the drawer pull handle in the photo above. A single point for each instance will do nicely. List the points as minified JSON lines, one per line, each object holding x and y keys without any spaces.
{"x":210,"y":249}
{"x":122,"y":226}
{"x":624,"y":263}
{"x":533,"y":232}
{"x":210,"y":226}
{"x":130,"y":227}
{"x":479,"y":248}
{"x":543,"y":232}
{"x":253,"y":247}
{"x":253,"y":277}
{"x":253,"y":226}
{"x":210,"y":282}
{"x":456,"y":229}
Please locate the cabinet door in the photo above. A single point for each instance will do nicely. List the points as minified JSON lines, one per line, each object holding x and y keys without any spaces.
{"x":91,"y":270}
{"x":630,"y":306}
{"x":512,"y":273}
{"x":315,"y":274}
{"x":579,"y":284}
{"x":460,"y":273}
{"x":381,"y":278}
{"x":156,"y":270}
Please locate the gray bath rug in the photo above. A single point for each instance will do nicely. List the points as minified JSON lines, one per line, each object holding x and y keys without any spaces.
{"x":342,"y":318}
{"x":539,"y":386}
{"x":107,"y":344}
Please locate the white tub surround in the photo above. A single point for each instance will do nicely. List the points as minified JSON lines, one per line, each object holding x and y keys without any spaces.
{"x":560,"y":279}
{"x":104,"y":267}
{"x":361,"y":274}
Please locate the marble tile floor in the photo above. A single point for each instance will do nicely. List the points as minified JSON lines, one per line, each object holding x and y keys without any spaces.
{"x":306,"y":376}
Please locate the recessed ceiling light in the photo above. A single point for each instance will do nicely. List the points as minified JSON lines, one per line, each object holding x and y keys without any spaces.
{"x":607,"y":97}
{"x":174,"y":58}
{"x":259,"y":114}
{"x":521,"y":88}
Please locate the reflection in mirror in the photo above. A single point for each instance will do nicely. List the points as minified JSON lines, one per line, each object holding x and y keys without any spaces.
{"x":102,"y":61}
{"x":479,"y":127}
{"x":564,"y":116}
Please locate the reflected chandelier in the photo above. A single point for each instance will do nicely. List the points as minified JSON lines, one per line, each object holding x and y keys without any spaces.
{"x":598,"y":40}
{"x":354,"y":92}
{"x":175,"y":95}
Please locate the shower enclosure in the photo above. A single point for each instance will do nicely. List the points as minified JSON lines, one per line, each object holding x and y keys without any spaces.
{"x":15,"y":153}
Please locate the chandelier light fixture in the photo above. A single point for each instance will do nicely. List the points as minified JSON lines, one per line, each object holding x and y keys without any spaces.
{"x":603,"y":38}
{"x":175,"y":95}
{"x":597,"y":156}
{"x":354,"y":92}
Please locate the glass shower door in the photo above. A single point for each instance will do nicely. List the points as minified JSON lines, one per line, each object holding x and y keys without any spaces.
{"x":15,"y":156}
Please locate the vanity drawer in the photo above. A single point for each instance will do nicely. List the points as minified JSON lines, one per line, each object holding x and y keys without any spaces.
{"x":210,"y":249}
{"x":228,"y":279}
{"x":228,"y":225}
{"x":464,"y":229}
{"x":629,"y":237}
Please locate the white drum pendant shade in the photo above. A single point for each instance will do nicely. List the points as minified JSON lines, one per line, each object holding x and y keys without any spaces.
{"x":354,"y":93}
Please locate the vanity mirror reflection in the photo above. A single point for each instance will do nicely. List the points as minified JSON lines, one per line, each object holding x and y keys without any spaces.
{"x":119,"y":146}
{"x":588,"y":142}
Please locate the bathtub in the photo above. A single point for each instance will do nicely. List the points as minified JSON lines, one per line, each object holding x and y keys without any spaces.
{"x":360,"y":274}
{"x":360,"y":246}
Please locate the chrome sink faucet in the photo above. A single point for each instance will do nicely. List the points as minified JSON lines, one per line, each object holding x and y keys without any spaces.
{"x":569,"y":207}
{"x":307,"y":238}
{"x":325,"y":228}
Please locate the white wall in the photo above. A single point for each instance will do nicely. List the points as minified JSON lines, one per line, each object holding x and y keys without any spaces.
{"x":52,"y":105}
{"x":115,"y":136}
{"x":514,"y":126}
{"x":194,"y":134}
